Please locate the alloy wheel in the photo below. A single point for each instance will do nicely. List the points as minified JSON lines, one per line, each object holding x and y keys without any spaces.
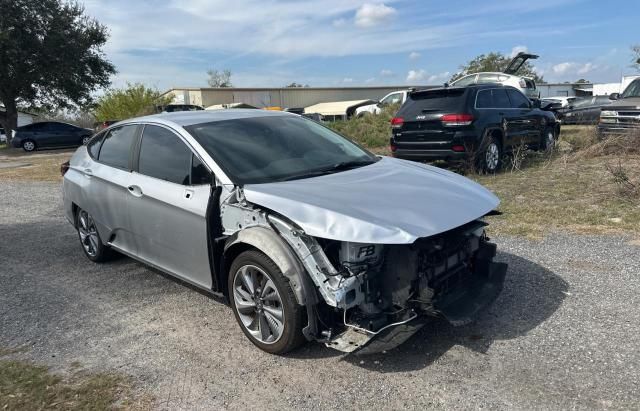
{"x":550,"y":140}
{"x":88,"y":233}
{"x":258,"y":304}
{"x":492,"y":156}
{"x":28,"y":145}
{"x":85,"y":140}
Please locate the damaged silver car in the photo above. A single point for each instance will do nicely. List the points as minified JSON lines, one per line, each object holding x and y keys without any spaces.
{"x":307,"y":235}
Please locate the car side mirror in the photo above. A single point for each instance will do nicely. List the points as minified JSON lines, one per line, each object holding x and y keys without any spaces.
{"x":614,"y":96}
{"x":536,"y":103}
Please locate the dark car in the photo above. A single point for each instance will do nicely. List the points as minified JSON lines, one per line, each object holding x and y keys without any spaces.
{"x":583,"y":110}
{"x":623,"y":114}
{"x":481,"y":122}
{"x":172,"y":108}
{"x":50,"y":134}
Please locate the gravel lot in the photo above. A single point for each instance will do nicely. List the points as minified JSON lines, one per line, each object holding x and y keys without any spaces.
{"x":564,"y":333}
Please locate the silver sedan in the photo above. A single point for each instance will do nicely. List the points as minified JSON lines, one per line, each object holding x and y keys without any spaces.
{"x":307,"y":235}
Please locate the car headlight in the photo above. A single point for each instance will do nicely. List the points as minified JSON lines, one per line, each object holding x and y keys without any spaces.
{"x":608,"y":113}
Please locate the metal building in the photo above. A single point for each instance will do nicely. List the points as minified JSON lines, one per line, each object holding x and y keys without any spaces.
{"x":288,"y":97}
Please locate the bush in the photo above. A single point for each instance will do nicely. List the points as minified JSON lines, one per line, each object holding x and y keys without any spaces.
{"x":371,"y":131}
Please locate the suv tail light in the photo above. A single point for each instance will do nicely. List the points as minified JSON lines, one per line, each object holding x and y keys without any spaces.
{"x":397,"y":122}
{"x":456,"y":119}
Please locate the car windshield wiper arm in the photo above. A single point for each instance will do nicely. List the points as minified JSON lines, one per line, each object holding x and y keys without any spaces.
{"x":345,"y":165}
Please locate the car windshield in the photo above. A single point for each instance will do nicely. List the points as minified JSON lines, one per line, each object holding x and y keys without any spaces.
{"x":277,"y":148}
{"x":633,"y":90}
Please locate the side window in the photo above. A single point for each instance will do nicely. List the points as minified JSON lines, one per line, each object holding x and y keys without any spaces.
{"x":465,"y":81}
{"x":116,"y":147}
{"x":518,"y":100}
{"x":392,"y":99}
{"x":199,"y":173}
{"x":489,"y":78}
{"x":93,"y":147}
{"x":483,"y":99}
{"x":164,"y":156}
{"x":500,"y":98}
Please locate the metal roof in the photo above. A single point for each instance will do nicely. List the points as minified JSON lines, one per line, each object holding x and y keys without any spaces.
{"x":335,"y":108}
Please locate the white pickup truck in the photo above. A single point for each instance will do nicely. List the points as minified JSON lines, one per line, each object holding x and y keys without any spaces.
{"x":395,"y":97}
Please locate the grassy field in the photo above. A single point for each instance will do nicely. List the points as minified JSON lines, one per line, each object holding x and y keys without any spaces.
{"x":26,"y":386}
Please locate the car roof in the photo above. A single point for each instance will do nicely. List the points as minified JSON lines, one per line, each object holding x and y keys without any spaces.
{"x":189,"y":118}
{"x":470,"y":86}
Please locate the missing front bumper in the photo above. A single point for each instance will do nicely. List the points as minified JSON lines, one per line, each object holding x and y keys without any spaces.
{"x":459,"y":308}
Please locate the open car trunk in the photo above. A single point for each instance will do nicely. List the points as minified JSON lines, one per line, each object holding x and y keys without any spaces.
{"x":518,"y":61}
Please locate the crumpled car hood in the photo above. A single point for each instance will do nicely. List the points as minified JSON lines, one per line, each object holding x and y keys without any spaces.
{"x":389,"y":202}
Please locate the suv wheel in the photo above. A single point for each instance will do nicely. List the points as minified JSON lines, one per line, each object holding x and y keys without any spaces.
{"x":28,"y":145}
{"x":85,"y":140}
{"x":491,"y":156}
{"x":264,"y":304}
{"x":548,"y":140}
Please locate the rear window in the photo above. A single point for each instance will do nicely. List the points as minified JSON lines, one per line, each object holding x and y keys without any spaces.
{"x":116,"y":147}
{"x":448,"y":99}
{"x":492,"y":98}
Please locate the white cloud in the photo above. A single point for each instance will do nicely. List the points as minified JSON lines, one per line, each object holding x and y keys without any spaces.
{"x":416,"y":75}
{"x":568,"y":67}
{"x":370,"y":15}
{"x":439,"y":78}
{"x":386,"y":73}
{"x":518,"y":49}
{"x":347,"y":80}
{"x":414,"y":55}
{"x":370,"y":80}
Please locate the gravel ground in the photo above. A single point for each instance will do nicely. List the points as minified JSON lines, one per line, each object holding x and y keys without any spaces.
{"x":564,"y":333}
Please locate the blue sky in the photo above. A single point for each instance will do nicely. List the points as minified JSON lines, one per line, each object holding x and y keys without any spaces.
{"x":266,"y":43}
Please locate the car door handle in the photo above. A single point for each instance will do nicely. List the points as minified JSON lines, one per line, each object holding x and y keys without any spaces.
{"x":88,"y":172}
{"x":135,"y":191}
{"x":188,"y":193}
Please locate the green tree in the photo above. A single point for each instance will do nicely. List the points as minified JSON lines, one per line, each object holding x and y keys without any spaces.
{"x":219,"y":78}
{"x":635,"y":61}
{"x":495,"y":62}
{"x":50,"y":57}
{"x":296,"y":85}
{"x":132,"y":101}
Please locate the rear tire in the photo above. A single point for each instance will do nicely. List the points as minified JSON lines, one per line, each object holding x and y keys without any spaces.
{"x":490,"y":156}
{"x":29,"y":145}
{"x":264,"y":304}
{"x":90,"y":240}
{"x":85,"y":140}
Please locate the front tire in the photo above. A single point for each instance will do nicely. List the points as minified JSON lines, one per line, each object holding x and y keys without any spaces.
{"x":28,"y":146}
{"x":264,"y":304}
{"x":85,"y":140}
{"x":90,"y":240}
{"x":548,"y":142}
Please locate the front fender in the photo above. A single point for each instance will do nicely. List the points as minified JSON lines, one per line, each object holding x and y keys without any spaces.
{"x":274,"y":247}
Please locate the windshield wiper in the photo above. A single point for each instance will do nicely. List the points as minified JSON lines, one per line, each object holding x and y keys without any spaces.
{"x":344,"y":165}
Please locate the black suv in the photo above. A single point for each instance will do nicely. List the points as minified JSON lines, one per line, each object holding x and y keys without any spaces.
{"x":481,"y":122}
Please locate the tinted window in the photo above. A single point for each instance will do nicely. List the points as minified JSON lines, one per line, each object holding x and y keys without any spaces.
{"x":93,"y":147}
{"x":164,"y":156}
{"x":500,"y":98}
{"x":116,"y":147}
{"x":34,"y":127}
{"x":518,"y":100}
{"x":448,"y":99}
{"x":276,"y":147}
{"x":60,"y":127}
{"x":484,"y":99}
{"x":465,"y":81}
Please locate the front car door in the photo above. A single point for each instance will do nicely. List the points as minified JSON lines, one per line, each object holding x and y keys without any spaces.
{"x":524,"y":118}
{"x":168,"y":196}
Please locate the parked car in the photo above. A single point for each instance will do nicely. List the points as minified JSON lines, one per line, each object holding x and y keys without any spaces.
{"x":285,"y":219}
{"x":482,"y":122}
{"x":583,"y":110}
{"x":170,"y":108}
{"x":3,"y":136}
{"x":507,"y":77}
{"x":623,"y":114}
{"x":562,"y":100}
{"x":101,"y":125}
{"x":396,"y":97}
{"x":50,"y":134}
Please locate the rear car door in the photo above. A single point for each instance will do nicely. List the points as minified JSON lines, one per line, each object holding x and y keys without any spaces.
{"x":108,"y":178}
{"x":63,"y":134}
{"x":522,"y":118}
{"x":167,"y":198}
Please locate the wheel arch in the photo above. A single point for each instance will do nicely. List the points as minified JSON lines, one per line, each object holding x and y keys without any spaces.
{"x":273,"y":246}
